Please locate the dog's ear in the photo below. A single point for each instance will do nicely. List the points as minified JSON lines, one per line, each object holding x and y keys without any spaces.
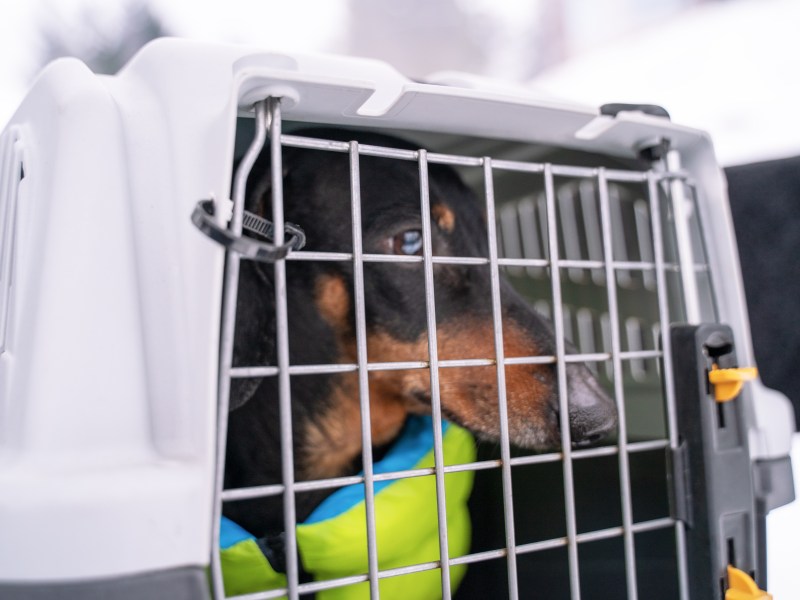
{"x":242,"y":390}
{"x":254,"y":333}
{"x":259,"y":190}
{"x":255,"y":330}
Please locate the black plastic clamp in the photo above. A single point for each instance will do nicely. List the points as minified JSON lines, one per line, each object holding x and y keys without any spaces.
{"x":203,"y":218}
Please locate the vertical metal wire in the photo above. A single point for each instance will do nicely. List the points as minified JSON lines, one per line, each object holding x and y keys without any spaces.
{"x":666,"y":348}
{"x":505,"y":451}
{"x":363,"y":373}
{"x":282,"y":345}
{"x":681,"y":215}
{"x":619,"y":392}
{"x":561,"y":368}
{"x":433,"y":352}
{"x":230,"y":294}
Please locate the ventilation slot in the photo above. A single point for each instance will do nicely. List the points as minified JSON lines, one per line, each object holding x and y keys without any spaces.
{"x":11,"y":175}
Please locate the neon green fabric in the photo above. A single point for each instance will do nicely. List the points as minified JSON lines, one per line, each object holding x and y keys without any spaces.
{"x":245,"y":569}
{"x":406,"y":525}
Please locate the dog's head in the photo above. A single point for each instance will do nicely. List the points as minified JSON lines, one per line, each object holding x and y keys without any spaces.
{"x":317,"y":192}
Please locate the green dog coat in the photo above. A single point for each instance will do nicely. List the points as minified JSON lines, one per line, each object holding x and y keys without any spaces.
{"x":332,"y":542}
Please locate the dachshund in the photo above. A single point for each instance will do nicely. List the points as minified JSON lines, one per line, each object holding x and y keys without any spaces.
{"x":322,"y":328}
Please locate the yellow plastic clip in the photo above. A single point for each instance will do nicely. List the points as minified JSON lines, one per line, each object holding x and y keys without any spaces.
{"x":742,"y":587}
{"x":728,"y":382}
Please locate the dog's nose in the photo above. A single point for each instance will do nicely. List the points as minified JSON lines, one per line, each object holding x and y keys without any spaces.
{"x":592,"y":413}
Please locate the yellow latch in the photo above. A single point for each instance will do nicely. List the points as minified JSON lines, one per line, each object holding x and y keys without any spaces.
{"x":728,"y":382}
{"x":742,"y":587}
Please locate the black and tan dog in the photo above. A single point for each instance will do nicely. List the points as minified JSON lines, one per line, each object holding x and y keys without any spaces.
{"x":325,"y":408}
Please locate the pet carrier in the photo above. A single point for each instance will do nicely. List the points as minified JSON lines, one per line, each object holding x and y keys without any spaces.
{"x":117,"y":346}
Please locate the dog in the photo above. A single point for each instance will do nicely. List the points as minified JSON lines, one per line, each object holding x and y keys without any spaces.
{"x":325,"y":408}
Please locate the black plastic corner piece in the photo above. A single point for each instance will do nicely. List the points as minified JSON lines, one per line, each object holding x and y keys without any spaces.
{"x":726,"y":526}
{"x":615,"y":108}
{"x":655,"y":150}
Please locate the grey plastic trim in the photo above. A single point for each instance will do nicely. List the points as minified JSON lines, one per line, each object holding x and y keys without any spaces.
{"x":190,"y":583}
{"x":774,"y":482}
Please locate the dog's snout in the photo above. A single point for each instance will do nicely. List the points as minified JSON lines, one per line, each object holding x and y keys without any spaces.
{"x":592,"y":413}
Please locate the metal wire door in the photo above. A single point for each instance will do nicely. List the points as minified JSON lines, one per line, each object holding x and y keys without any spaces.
{"x":570,"y":233}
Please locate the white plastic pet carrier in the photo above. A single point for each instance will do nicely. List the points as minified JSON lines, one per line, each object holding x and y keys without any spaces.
{"x":117,"y":316}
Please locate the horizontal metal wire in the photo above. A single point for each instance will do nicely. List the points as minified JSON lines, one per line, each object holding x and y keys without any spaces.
{"x":428,"y":566}
{"x":629,"y":265}
{"x":397,"y":366}
{"x":653,"y":525}
{"x":318,"y":586}
{"x":279,"y":593}
{"x":336,"y":256}
{"x":647,"y":446}
{"x":543,"y":545}
{"x":305,"y":255}
{"x":640,"y":354}
{"x":518,"y":166}
{"x":644,"y":266}
{"x":455,"y":160}
{"x":471,"y":466}
{"x":330,"y":369}
{"x":247,"y":372}
{"x":535,"y":459}
{"x":297,"y":141}
{"x":618,"y":265}
{"x":593,"y":536}
{"x":261,"y":491}
{"x":459,"y":260}
{"x":595,"y":452}
{"x":584,"y":358}
{"x":589,"y":452}
{"x":304,"y":588}
{"x":479,"y":557}
{"x":618,"y":175}
{"x":523,"y":262}
{"x":232,"y":495}
{"x":631,"y":447}
{"x":467,"y":362}
{"x":572,"y":263}
{"x":603,"y":534}
{"x":582,"y":538}
{"x":529,"y":360}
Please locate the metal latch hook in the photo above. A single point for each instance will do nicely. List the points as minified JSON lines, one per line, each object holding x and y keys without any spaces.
{"x":231,"y":237}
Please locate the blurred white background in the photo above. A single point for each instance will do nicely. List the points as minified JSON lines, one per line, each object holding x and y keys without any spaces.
{"x":731,"y":67}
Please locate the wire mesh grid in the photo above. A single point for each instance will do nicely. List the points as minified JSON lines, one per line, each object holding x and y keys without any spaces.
{"x":544,"y":248}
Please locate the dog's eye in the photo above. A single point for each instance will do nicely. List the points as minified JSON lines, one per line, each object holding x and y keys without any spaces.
{"x":409,"y":242}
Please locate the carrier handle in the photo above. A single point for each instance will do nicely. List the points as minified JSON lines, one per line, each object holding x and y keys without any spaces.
{"x":202,"y":217}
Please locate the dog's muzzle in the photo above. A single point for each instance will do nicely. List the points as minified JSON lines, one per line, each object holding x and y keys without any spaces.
{"x":592,"y":413}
